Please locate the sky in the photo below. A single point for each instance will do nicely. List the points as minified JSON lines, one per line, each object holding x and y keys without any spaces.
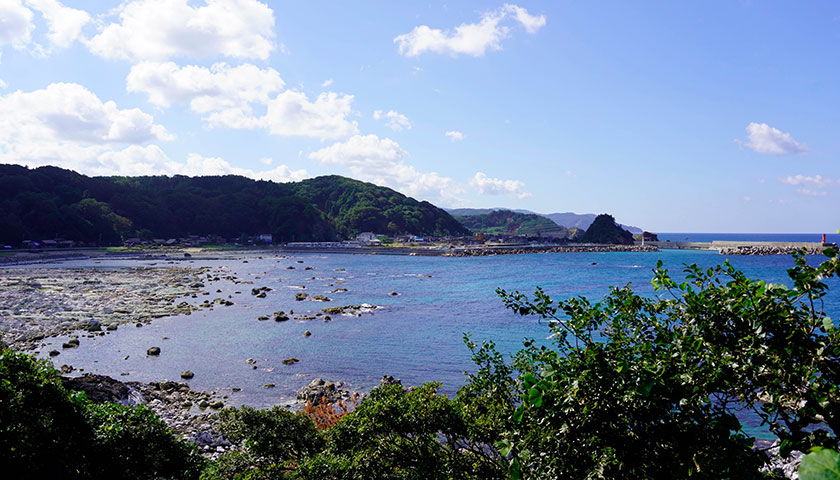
{"x":675,"y":116}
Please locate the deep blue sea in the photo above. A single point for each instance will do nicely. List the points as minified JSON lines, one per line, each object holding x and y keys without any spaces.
{"x":417,"y":336}
{"x":744,"y":237}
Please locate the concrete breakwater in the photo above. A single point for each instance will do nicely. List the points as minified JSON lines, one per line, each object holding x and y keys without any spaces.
{"x":487,"y":251}
{"x":771,"y":250}
{"x":748,"y":248}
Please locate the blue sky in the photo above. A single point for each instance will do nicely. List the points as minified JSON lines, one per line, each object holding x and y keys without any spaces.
{"x":673,"y":116}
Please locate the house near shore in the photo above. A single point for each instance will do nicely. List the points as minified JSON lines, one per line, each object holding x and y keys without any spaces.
{"x":368,"y":239}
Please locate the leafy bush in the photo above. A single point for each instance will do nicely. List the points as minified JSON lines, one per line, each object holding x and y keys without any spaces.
{"x":650,"y":388}
{"x":133,"y":443}
{"x":42,"y":426}
{"x":50,"y":432}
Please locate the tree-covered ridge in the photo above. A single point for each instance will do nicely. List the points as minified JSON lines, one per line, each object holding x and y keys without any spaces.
{"x":364,"y":207}
{"x":506,"y":222}
{"x":50,"y":202}
{"x":605,"y":230}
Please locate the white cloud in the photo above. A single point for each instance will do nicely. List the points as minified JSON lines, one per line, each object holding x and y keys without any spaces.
{"x":816,"y":180}
{"x":495,"y":186}
{"x":15,"y":24}
{"x":769,"y":140}
{"x":381,"y":161}
{"x":455,"y":135}
{"x":394,"y":120}
{"x":197,"y":165}
{"x":224,"y":94}
{"x":812,"y":193}
{"x":2,"y":84}
{"x":532,"y":23}
{"x":65,"y":23}
{"x":227,"y":96}
{"x":468,"y":38}
{"x":291,"y":113}
{"x":65,"y":122}
{"x":163,"y":29}
{"x":327,"y":83}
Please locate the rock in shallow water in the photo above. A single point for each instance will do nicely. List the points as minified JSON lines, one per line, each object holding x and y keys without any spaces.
{"x":153,"y":351}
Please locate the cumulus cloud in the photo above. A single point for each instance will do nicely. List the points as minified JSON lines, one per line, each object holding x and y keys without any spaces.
{"x":164,"y":29}
{"x":454,"y":135}
{"x":394,"y":120}
{"x":381,"y":161}
{"x":16,"y":22}
{"x":468,"y":38}
{"x":765,"y":139}
{"x":152,"y":160}
{"x":532,"y":23}
{"x":229,"y":96}
{"x":291,"y":113}
{"x":224,"y":94}
{"x":327,"y":83}
{"x":496,"y":186}
{"x":66,"y":122}
{"x":65,"y":23}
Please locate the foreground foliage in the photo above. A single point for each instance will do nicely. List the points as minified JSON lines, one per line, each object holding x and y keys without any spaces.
{"x":49,"y":432}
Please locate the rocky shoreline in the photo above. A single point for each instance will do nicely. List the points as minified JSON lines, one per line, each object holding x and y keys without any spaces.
{"x":40,"y":303}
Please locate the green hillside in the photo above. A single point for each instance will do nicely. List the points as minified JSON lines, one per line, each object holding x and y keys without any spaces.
{"x":506,"y":222}
{"x":50,"y":202}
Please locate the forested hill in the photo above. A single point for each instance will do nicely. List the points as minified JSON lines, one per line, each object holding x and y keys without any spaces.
{"x":50,"y":202}
{"x":506,"y":222}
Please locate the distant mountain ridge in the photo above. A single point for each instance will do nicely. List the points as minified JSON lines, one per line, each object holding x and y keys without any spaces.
{"x":565,"y":219}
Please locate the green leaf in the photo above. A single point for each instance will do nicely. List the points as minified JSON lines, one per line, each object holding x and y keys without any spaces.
{"x":820,"y":465}
{"x":535,"y":397}
{"x":827,"y":324}
{"x":515,"y":469}
{"x":518,"y":413}
{"x":504,"y":447}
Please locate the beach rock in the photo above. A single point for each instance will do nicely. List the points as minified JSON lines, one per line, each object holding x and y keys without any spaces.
{"x":54,"y":353}
{"x":261,"y":295}
{"x":262,"y":317}
{"x":268,"y":385}
{"x":307,"y":333}
{"x":339,"y":290}
{"x":393,"y":294}
{"x":94,"y":326}
{"x":187,"y":374}
{"x":217,"y":404}
{"x":280,"y":317}
{"x":317,"y":389}
{"x":65,"y":369}
{"x":290,"y":361}
{"x":321,"y":298}
{"x":113,"y":326}
{"x":153,"y":351}
{"x":72,"y":343}
{"x":98,"y":388}
{"x":301,"y":296}
{"x":390,"y":380}
{"x":203,"y":404}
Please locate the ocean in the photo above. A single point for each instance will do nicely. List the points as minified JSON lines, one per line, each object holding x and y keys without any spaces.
{"x":749,"y":237}
{"x":416,"y":336}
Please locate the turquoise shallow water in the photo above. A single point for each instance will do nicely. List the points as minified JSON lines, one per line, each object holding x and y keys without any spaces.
{"x":417,"y":336}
